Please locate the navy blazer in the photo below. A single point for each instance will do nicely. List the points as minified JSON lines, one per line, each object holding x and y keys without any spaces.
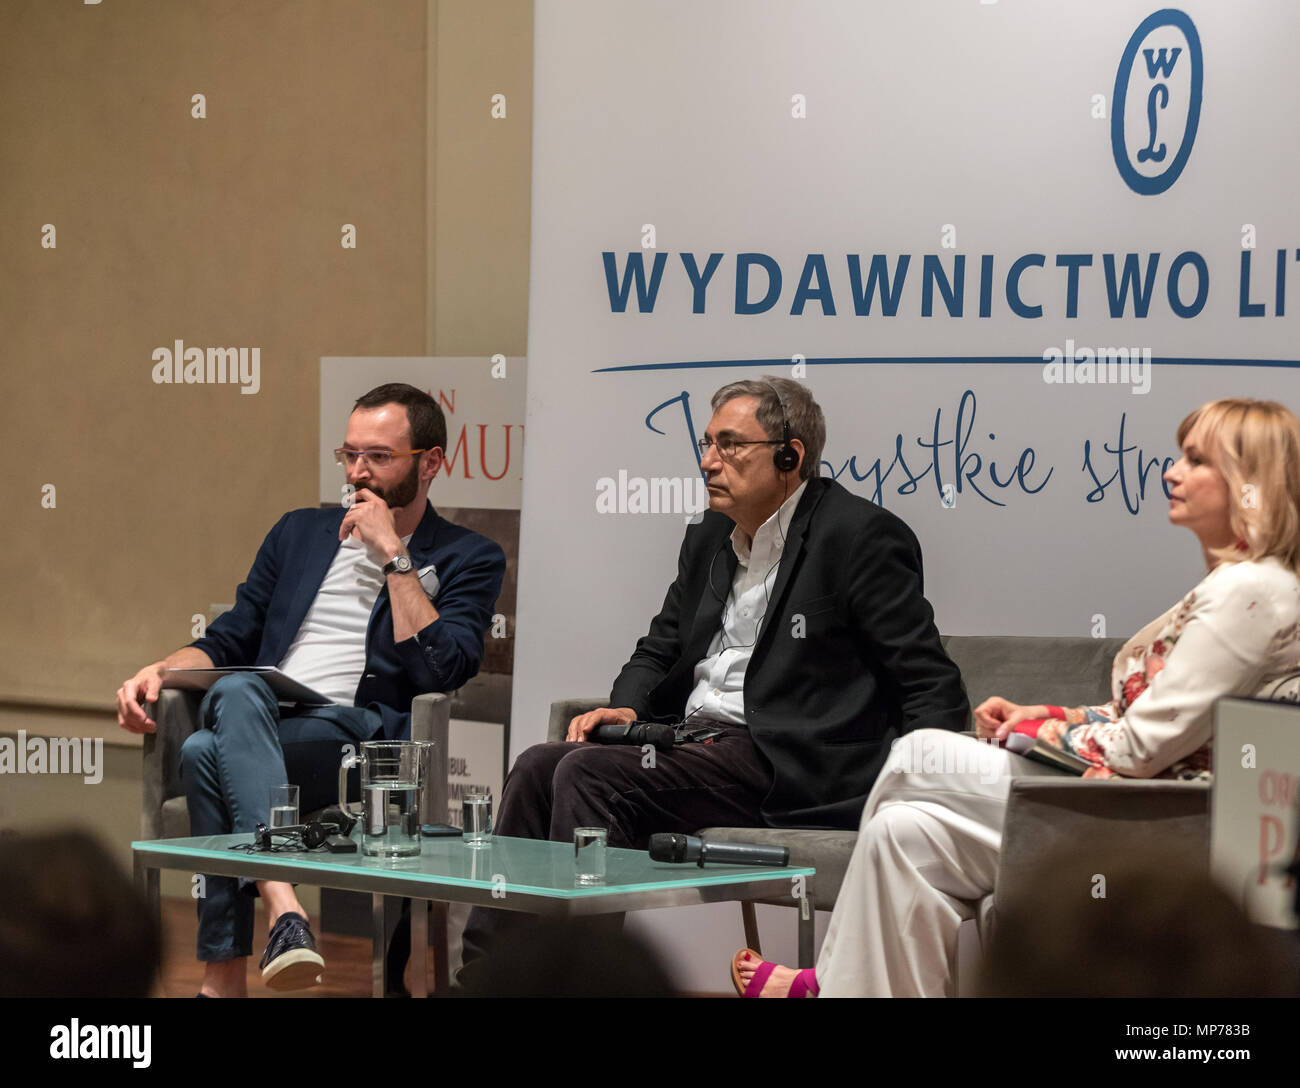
{"x":847,"y":658}
{"x":290,"y":566}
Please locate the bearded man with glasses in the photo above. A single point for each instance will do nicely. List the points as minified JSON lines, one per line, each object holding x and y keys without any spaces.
{"x":370,"y":605}
{"x":796,"y":644}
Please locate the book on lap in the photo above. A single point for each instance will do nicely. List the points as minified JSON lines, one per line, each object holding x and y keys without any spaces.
{"x":285,"y":688}
{"x":1023,"y":740}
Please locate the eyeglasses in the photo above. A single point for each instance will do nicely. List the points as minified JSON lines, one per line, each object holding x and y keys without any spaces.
{"x":727,"y":446}
{"x":374,"y":458}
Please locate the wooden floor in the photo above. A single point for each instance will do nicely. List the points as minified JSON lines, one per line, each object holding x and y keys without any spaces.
{"x":347,"y":959}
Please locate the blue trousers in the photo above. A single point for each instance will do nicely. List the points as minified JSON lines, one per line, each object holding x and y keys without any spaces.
{"x":228,"y":768}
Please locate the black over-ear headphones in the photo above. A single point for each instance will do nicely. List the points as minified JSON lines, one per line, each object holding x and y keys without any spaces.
{"x":785,"y":456}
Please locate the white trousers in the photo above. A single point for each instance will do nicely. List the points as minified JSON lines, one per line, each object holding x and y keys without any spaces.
{"x":927,"y":852}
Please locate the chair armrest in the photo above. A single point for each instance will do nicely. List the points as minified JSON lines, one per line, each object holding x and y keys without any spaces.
{"x":1094,"y":819}
{"x":564,"y":711}
{"x":177,"y":715}
{"x":430,"y":722}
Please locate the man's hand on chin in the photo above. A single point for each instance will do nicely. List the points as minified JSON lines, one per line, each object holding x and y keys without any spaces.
{"x":370,"y":521}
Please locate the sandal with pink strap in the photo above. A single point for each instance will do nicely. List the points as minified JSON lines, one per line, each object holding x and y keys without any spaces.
{"x":804,"y":983}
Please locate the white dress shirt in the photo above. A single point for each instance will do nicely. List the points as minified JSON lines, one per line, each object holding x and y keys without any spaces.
{"x":720,"y":677}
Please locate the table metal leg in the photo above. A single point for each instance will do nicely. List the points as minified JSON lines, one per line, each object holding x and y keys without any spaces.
{"x":438,"y":934}
{"x":807,"y":914}
{"x":419,"y":948}
{"x":749,"y":918}
{"x":146,"y":882}
{"x":378,"y":965}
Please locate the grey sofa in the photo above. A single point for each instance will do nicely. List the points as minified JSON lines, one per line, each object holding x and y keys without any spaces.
{"x":1043,"y":814}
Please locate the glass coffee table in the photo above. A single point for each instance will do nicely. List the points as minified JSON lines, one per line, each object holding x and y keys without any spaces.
{"x":526,"y":875}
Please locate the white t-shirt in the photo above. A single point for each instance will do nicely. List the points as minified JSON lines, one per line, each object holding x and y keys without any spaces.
{"x":329,"y":651}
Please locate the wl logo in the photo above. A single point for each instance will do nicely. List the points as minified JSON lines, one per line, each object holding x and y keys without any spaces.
{"x":1157,"y":102}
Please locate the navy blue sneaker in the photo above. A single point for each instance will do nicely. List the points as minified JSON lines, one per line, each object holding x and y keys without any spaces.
{"x":291,"y":961}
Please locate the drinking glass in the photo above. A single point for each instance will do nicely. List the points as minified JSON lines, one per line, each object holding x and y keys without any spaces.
{"x":589,"y":855}
{"x":476,"y":818}
{"x":284,"y":806}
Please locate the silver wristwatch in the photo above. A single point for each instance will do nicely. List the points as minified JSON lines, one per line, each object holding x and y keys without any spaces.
{"x":399,"y":564}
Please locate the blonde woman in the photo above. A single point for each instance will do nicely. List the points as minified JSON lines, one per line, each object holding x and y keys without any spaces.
{"x":929,"y":841}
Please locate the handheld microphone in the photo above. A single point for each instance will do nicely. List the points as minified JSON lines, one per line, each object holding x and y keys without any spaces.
{"x":636,"y":733}
{"x":673,"y":847}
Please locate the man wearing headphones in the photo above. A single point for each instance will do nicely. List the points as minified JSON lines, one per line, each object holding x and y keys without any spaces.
{"x":796,"y":632}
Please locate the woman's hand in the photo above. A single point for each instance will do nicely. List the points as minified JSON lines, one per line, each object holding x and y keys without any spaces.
{"x":996,"y":717}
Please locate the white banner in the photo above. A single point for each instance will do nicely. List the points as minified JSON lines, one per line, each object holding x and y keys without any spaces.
{"x":1007,"y":245}
{"x":474,"y":763}
{"x":929,"y":213}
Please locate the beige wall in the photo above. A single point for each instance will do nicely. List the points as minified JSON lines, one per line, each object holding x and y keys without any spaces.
{"x":481,"y":177}
{"x":223,"y":231}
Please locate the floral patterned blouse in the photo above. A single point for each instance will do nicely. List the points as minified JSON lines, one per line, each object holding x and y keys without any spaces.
{"x":1236,"y":633}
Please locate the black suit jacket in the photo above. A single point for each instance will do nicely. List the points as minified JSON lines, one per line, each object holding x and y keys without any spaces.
{"x":847,"y":659}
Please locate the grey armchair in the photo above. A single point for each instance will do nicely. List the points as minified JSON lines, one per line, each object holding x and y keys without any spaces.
{"x":164,"y":813}
{"x":1094,"y":820}
{"x":1042,"y":813}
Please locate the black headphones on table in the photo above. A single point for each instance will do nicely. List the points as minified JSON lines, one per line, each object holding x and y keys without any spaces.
{"x":309,"y":836}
